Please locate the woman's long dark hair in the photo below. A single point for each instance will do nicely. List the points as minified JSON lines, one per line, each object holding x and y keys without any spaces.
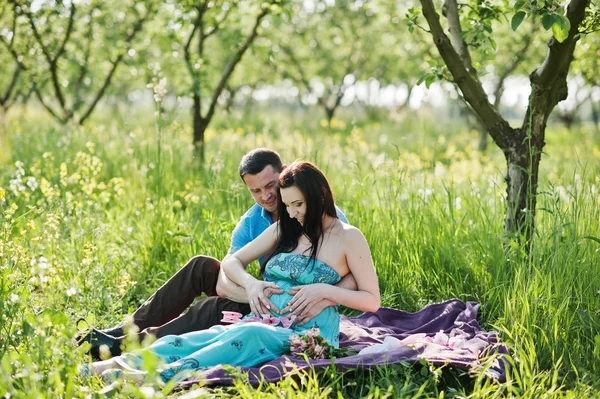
{"x":319,"y":201}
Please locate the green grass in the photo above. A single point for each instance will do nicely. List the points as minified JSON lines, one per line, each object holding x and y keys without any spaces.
{"x":102,"y":221}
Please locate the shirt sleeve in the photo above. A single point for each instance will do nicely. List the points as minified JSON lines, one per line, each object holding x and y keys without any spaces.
{"x":240,"y":235}
{"x":341,"y":215}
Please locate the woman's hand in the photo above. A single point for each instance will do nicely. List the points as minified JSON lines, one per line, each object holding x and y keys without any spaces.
{"x":312,"y":312}
{"x":258,"y":296}
{"x":305,"y":297}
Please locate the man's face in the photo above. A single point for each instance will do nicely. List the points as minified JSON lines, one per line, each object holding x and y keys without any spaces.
{"x":263,"y":187}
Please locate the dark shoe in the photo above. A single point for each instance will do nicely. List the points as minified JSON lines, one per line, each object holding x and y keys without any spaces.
{"x":116,"y":332}
{"x":98,"y":338}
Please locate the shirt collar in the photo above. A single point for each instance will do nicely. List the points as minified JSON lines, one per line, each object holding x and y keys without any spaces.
{"x":265,"y":215}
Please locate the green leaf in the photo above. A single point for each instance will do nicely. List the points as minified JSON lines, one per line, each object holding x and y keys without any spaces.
{"x":546,"y":210}
{"x":432,"y":62}
{"x":493,"y":43}
{"x":563,"y":22}
{"x":27,"y":329}
{"x":592,"y":238}
{"x":548,"y":20}
{"x":429,"y":80}
{"x":517,"y":19}
{"x":519,"y":4}
{"x":559,"y":33}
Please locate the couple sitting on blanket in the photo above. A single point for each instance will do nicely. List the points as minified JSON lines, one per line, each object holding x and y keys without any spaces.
{"x":310,"y":260}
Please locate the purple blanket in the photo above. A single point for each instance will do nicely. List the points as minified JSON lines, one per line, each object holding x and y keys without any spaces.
{"x":443,"y":333}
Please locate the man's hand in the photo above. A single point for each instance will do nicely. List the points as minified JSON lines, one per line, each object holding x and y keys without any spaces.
{"x":305,"y":297}
{"x":312,"y":312}
{"x":258,"y":297}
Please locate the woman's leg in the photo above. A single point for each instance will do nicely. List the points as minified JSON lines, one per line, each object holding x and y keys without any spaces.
{"x":97,"y":368}
{"x":169,"y":349}
{"x":244,"y":345}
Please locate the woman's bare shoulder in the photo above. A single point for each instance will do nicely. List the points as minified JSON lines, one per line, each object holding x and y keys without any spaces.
{"x":351,"y":233}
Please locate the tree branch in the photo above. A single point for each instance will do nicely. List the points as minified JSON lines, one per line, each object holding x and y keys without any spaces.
{"x":549,"y":80}
{"x":52,"y":61}
{"x":234,"y":61}
{"x":186,"y":47}
{"x":12,"y":51}
{"x":457,"y":41}
{"x":136,"y":28}
{"x":560,"y":55}
{"x":299,"y":68}
{"x":470,"y":87}
{"x":48,"y":108}
{"x":11,"y":86}
{"x":217,"y":24}
{"x":14,"y":26}
{"x":83,"y":67}
{"x":61,"y":49}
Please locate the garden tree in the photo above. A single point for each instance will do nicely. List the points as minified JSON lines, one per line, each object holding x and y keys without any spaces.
{"x":522,"y":146}
{"x":12,"y":81}
{"x":76,"y":49}
{"x":232,"y":27}
{"x":324,"y":47}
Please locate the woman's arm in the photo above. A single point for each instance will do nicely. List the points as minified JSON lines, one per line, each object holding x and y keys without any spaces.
{"x":228,"y":289}
{"x":234,"y":267}
{"x":360,"y":263}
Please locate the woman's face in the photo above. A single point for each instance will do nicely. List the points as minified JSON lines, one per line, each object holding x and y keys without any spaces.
{"x":294,"y":203}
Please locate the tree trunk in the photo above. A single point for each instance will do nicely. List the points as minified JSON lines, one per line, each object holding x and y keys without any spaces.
{"x":200,"y":124}
{"x":523,"y":160}
{"x":329,"y":112}
{"x":3,"y":112}
{"x":595,"y":115}
{"x":483,"y":136}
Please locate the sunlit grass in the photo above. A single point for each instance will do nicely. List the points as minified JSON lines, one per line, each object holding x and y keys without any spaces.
{"x":90,"y":229}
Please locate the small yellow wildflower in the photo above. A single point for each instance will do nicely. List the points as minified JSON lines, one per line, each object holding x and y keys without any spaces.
{"x":2,"y":193}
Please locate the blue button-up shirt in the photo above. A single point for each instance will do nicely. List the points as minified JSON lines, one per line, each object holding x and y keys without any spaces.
{"x":256,"y":220}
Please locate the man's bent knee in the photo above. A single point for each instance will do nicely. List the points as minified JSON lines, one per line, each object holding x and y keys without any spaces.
{"x":203,"y":266}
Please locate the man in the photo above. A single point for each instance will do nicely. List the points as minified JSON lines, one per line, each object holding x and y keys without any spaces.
{"x":161,"y":314}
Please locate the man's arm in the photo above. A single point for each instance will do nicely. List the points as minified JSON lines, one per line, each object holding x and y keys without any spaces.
{"x":348,"y":282}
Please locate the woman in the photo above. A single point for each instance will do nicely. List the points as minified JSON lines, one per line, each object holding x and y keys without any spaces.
{"x":309,"y":250}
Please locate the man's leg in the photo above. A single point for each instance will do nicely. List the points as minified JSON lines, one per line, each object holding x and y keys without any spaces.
{"x":161,"y":315}
{"x":202,"y":315}
{"x":198,"y":276}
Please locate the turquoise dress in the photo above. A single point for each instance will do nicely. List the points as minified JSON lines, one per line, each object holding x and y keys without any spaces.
{"x":246,"y":344}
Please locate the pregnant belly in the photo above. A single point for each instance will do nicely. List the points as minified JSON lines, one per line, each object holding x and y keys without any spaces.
{"x":280,"y":301}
